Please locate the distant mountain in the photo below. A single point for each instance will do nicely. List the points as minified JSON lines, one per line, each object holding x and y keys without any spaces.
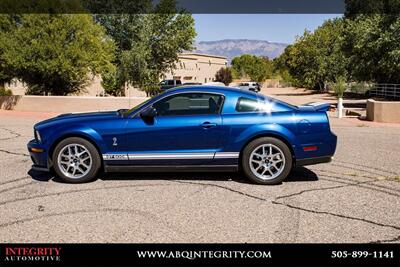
{"x":231,"y":48}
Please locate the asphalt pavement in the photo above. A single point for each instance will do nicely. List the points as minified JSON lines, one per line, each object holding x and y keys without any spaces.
{"x":355,"y":198}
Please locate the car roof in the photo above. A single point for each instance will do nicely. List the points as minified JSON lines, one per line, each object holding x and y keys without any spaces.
{"x":213,"y":89}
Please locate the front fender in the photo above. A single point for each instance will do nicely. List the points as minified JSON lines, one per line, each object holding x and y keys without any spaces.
{"x":76,"y":130}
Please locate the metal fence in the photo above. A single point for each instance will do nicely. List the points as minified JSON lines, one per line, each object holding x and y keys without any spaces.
{"x":385,"y":90}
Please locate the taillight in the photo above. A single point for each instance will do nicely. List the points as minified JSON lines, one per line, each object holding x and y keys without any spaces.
{"x":310,"y":148}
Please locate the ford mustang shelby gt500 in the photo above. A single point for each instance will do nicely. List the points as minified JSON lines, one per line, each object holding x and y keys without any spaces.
{"x":192,"y":129}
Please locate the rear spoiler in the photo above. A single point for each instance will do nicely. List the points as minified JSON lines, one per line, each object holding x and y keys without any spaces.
{"x":319,"y":106}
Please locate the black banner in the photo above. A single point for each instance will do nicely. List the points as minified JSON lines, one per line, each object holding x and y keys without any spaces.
{"x":200,"y":255}
{"x":191,"y":6}
{"x":200,"y":6}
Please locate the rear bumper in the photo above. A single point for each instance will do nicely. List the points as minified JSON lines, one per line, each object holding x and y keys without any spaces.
{"x":40,"y":168}
{"x":38,"y":155}
{"x":313,"y":161}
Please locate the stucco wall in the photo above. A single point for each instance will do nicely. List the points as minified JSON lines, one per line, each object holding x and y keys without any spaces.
{"x":198,"y":68}
{"x":67,"y":103}
{"x":383,"y":111}
{"x":94,"y":88}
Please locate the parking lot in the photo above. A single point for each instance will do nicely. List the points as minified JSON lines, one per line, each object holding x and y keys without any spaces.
{"x":355,"y":198}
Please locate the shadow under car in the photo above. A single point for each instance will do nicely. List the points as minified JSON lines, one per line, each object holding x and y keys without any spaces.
{"x":298,"y":174}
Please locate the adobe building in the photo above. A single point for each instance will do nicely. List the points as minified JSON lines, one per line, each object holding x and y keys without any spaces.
{"x":196,"y":68}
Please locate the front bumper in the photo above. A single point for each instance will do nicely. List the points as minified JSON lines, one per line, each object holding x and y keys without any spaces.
{"x":39,"y":156}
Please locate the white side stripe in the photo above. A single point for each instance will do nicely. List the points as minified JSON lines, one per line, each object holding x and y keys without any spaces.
{"x":148,"y":156}
{"x":226,"y":155}
{"x":171,"y":156}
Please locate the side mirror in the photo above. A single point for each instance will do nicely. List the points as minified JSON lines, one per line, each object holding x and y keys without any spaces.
{"x":148,"y":113}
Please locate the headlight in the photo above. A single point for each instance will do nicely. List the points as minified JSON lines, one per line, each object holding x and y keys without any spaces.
{"x":37,"y":136}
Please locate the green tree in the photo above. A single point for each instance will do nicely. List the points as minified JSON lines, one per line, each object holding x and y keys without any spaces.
{"x":355,"y":8}
{"x":148,"y":44}
{"x":269,"y":67}
{"x":56,"y":53}
{"x":316,"y":58}
{"x":7,"y":24}
{"x":256,"y":68}
{"x":281,"y":72}
{"x":372,"y":40}
{"x":224,"y":75}
{"x":125,"y":30}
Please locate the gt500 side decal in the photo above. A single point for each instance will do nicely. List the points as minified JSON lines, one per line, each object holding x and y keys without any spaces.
{"x":115,"y":157}
{"x":147,"y":156}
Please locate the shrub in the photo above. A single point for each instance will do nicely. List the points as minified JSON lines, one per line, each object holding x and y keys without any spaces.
{"x":360,"y":87}
{"x":5,"y":92}
{"x":339,"y":87}
{"x":55,"y":53}
{"x":224,"y":75}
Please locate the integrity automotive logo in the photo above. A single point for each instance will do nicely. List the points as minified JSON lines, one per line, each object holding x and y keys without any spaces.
{"x":32,"y":254}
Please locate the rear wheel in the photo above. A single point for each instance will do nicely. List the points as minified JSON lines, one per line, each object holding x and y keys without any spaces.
{"x":76,"y":160}
{"x":267,"y":161}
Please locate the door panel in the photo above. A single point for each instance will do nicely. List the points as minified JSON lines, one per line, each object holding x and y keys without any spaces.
{"x":174,"y":139}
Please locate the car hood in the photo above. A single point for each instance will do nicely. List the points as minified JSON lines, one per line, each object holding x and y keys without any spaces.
{"x":77,"y":118}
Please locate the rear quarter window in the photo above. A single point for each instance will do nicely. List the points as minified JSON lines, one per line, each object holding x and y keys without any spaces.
{"x":268,"y":105}
{"x":247,"y":105}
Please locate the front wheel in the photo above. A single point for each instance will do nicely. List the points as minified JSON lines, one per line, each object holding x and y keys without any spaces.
{"x":76,"y":160}
{"x":267,"y":161}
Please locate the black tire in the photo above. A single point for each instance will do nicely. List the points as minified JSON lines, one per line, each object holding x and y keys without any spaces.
{"x":265,"y":141}
{"x":95,"y":160}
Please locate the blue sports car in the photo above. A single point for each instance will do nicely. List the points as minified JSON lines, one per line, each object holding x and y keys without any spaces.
{"x":194,"y":128}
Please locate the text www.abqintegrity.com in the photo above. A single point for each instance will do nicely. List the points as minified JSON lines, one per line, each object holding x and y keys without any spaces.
{"x":203,"y":254}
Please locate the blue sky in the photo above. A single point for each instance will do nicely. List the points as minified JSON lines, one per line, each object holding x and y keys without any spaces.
{"x":281,"y":28}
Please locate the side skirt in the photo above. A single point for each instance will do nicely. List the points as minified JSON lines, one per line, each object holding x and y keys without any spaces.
{"x":171,"y":168}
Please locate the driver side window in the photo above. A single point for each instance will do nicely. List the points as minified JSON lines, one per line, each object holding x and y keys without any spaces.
{"x":189,"y":104}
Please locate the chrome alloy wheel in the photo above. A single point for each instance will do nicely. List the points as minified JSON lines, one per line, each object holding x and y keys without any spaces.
{"x":267,"y":161}
{"x":74,"y":161}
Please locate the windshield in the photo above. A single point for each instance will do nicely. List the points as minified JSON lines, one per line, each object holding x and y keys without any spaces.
{"x":138,"y":106}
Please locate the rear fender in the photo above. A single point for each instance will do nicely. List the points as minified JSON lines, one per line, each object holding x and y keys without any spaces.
{"x":264,"y":130}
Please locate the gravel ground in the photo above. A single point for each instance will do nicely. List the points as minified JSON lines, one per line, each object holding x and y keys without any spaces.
{"x":355,"y":198}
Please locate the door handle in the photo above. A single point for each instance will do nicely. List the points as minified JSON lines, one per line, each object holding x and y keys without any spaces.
{"x":207,"y":125}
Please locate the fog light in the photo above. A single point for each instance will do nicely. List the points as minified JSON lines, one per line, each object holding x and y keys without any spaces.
{"x":37,"y":150}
